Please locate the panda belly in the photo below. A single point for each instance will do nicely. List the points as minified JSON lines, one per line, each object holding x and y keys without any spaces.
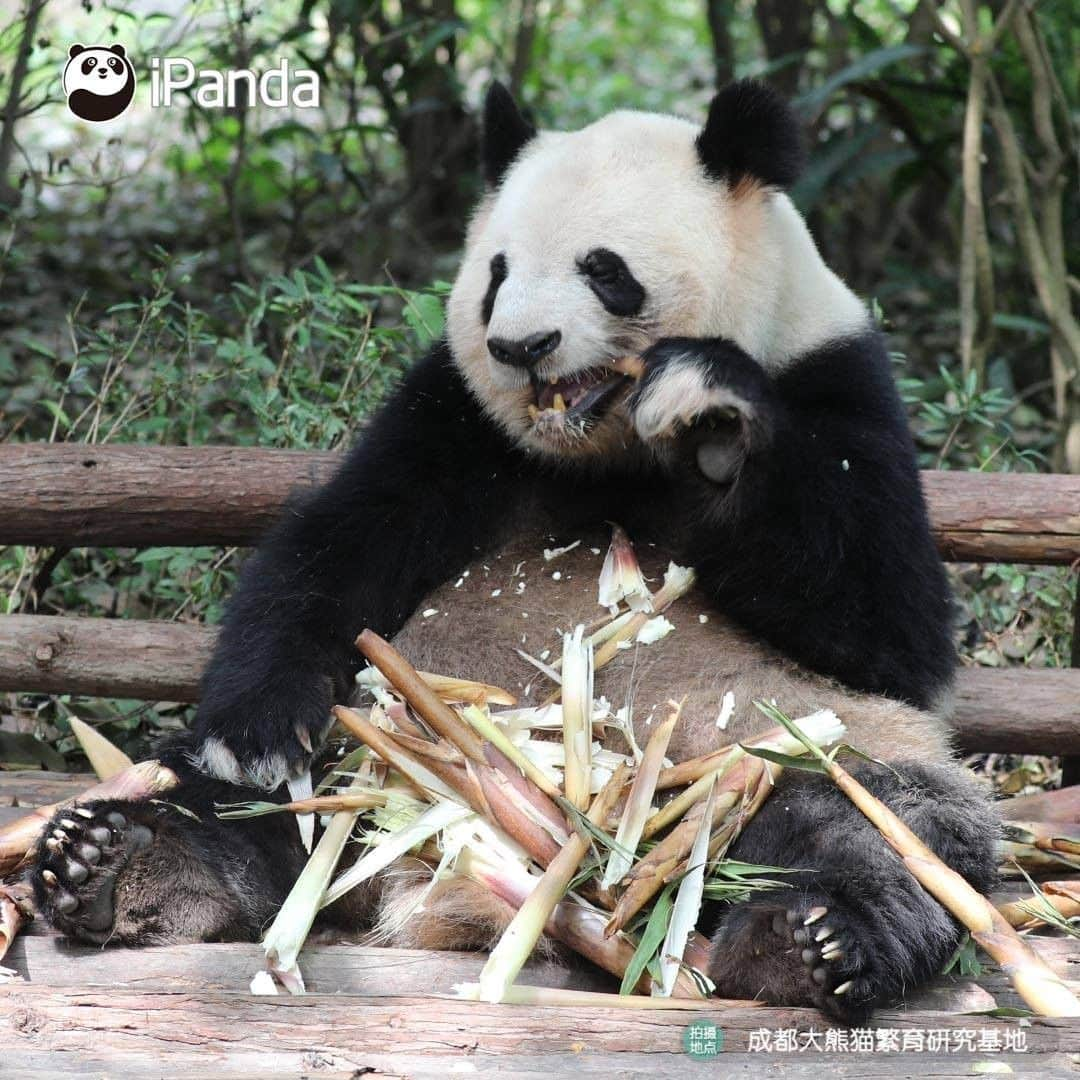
{"x":473,"y":626}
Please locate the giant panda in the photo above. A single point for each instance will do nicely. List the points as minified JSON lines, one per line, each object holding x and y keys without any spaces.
{"x":765,"y":445}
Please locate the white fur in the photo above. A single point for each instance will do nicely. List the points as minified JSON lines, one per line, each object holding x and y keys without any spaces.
{"x":714,"y":262}
{"x":680,"y":397}
{"x":216,"y":759}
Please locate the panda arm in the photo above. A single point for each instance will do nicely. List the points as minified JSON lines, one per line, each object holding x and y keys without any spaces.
{"x":812,"y":531}
{"x":414,"y":501}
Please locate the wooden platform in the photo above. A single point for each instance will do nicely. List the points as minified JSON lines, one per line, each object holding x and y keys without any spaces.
{"x":185,"y":1011}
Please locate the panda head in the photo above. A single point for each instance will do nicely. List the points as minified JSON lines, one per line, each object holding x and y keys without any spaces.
{"x":590,"y":245}
{"x":99,"y":81}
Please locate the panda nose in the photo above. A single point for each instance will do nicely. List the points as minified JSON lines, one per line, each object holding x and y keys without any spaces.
{"x":527,"y":351}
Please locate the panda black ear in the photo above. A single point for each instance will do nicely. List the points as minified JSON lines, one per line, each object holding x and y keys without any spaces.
{"x":118,"y":49}
{"x":75,"y":50}
{"x":505,"y":133}
{"x":751,"y":134}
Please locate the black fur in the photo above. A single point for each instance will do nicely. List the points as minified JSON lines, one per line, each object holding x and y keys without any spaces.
{"x":506,"y":132}
{"x":499,"y":270}
{"x":612,"y":282}
{"x":821,"y":543}
{"x":751,"y":134}
{"x":888,"y":933}
{"x":423,"y":491}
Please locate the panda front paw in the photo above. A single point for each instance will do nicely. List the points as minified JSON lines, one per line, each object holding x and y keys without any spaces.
{"x":703,"y":399}
{"x":265,"y":736}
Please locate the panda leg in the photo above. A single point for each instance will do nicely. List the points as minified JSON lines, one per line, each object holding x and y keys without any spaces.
{"x":854,"y":930}
{"x":152,"y":873}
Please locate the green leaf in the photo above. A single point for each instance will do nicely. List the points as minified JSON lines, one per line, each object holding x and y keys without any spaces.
{"x":652,"y":938}
{"x":813,"y":100}
{"x":788,"y":761}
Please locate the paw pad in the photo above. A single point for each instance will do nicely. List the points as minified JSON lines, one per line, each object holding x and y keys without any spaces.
{"x":78,"y":862}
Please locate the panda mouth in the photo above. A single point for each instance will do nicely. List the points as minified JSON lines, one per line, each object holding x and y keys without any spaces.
{"x":585,"y":395}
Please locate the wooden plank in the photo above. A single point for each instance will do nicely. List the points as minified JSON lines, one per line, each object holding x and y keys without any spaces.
{"x":139,"y":496}
{"x":144,"y":495}
{"x":269,"y":1063}
{"x":69,"y":1022}
{"x":45,"y":959}
{"x":1016,"y":710}
{"x":130,"y":658}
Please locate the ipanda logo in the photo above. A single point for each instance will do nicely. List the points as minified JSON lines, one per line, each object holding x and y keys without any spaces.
{"x":99,"y":82}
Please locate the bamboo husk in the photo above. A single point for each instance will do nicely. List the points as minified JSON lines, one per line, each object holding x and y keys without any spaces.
{"x":105,"y":758}
{"x":649,"y":874}
{"x":16,"y":909}
{"x":639,"y":801}
{"x":1036,"y":983}
{"x":142,"y":781}
{"x":465,"y":691}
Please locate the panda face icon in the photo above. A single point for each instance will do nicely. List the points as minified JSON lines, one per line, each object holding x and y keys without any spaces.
{"x":99,"y":81}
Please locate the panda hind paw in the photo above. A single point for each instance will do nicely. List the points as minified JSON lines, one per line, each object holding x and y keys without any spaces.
{"x":81,"y":854}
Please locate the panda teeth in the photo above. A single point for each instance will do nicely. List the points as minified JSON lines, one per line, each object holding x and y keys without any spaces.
{"x":559,"y":404}
{"x":534,"y":412}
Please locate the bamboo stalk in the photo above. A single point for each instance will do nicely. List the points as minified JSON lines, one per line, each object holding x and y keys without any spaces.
{"x":519,"y":938}
{"x":424,"y":777}
{"x":577,"y":926}
{"x":419,"y":695}
{"x":1024,"y":914}
{"x":639,"y":801}
{"x":1036,"y":983}
{"x":141,"y":781}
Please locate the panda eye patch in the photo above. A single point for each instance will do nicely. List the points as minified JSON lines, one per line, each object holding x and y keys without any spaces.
{"x":88,"y":65}
{"x":612,"y":282}
{"x":115,"y":65}
{"x":499,"y":270}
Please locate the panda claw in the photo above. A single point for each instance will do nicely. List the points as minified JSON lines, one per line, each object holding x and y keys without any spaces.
{"x":83,"y":812}
{"x":50,"y":879}
{"x":67,"y":823}
{"x":60,"y":835}
{"x":823,"y":933}
{"x":54,"y":845}
{"x":843,"y":988}
{"x":815,"y":914}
